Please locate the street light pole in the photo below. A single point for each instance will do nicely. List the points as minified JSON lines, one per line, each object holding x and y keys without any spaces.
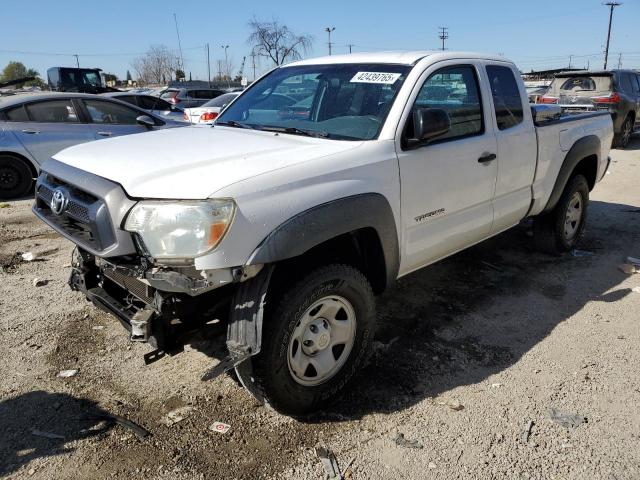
{"x":226,"y":64}
{"x":329,"y":30}
{"x":208,"y":67}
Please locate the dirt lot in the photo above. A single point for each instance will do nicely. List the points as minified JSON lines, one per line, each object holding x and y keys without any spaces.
{"x":500,"y":333}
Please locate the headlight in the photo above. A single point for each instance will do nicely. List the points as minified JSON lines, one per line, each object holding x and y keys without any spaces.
{"x":180,"y":229}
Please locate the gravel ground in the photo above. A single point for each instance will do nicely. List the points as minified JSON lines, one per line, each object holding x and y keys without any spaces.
{"x":473,"y":357}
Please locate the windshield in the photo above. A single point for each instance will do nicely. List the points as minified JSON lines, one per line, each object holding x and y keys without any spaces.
{"x":221,"y":101}
{"x":342,"y":101}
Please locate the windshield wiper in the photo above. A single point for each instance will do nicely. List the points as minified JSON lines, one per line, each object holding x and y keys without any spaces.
{"x":233,"y":123}
{"x":295,"y":131}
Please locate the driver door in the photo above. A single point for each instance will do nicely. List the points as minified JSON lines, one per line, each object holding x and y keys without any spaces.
{"x":448,"y":184}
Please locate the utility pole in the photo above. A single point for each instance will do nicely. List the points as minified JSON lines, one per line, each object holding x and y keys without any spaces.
{"x":226,"y":63}
{"x":620,"y":60}
{"x":208,"y":67}
{"x":350,"y":45}
{"x":570,"y":57}
{"x":443,"y":35}
{"x":253,"y":62}
{"x":611,"y":6}
{"x":329,"y":30}
{"x":77,"y":61}
{"x":175,"y":19}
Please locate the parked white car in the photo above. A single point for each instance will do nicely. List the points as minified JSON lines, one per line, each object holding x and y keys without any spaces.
{"x":285,"y":222}
{"x":208,"y":112}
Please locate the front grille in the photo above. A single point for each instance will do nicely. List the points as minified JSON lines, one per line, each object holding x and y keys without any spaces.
{"x":73,"y":209}
{"x":133,"y":285}
{"x":85,"y":218}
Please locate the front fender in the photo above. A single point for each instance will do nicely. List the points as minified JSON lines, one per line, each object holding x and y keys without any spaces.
{"x":318,"y":224}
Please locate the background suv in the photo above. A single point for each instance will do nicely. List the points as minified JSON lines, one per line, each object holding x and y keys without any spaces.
{"x":616,"y":91}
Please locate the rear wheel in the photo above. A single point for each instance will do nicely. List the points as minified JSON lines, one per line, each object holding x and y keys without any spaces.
{"x":16,"y":178}
{"x":561,"y":229}
{"x":622,"y":139}
{"x":314,"y":341}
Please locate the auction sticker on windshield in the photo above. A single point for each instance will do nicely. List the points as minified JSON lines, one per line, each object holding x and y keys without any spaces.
{"x":375,"y":77}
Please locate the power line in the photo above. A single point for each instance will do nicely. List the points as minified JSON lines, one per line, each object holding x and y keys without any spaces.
{"x":611,"y":6}
{"x":444,"y":34}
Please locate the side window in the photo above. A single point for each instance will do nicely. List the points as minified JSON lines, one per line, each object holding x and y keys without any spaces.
{"x":127,"y":99}
{"x":507,"y":101}
{"x":151,"y":103}
{"x":112,"y":113}
{"x":455,"y":90}
{"x":16,"y":114}
{"x":625,"y":82}
{"x":52,"y":111}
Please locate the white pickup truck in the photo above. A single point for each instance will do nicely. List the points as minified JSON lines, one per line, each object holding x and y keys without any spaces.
{"x":315,"y":190}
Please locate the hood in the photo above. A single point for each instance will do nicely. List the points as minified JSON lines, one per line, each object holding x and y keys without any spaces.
{"x":194,"y":162}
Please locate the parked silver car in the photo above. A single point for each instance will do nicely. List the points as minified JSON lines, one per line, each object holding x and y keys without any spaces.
{"x":151,"y":104}
{"x":34,"y":127}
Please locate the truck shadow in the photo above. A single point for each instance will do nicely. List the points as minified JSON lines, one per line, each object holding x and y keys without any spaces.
{"x":41,"y":424}
{"x":478,"y":312}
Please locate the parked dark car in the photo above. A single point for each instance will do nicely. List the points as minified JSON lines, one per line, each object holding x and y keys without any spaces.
{"x":190,"y":97}
{"x":80,"y":80}
{"x":150,"y":103}
{"x":616,"y":91}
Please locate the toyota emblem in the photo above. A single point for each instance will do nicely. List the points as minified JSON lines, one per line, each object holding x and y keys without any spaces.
{"x":58,"y":201}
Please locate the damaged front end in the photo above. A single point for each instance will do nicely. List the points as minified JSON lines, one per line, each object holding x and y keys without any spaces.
{"x":129,"y":289}
{"x":119,"y":264}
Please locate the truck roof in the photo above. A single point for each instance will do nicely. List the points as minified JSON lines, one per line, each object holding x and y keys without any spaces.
{"x":395,"y":57}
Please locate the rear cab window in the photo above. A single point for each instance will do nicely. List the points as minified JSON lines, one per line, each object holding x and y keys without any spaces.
{"x":507,"y":101}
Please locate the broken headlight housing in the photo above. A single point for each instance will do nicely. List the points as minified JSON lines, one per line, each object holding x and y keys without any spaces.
{"x":180,"y":229}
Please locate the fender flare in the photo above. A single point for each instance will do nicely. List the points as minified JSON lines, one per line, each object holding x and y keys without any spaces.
{"x":323,"y":222}
{"x":584,"y":147}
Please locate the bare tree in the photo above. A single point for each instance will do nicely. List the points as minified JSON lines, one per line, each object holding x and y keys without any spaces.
{"x":157,"y":65}
{"x":277,"y":42}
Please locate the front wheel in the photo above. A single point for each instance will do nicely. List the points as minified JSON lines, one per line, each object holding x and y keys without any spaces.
{"x":560,"y":230}
{"x":314,"y":341}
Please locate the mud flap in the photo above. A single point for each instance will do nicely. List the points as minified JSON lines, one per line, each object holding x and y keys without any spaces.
{"x":244,"y":333}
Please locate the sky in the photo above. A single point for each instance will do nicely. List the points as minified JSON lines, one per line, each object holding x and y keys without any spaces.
{"x":536,"y":34}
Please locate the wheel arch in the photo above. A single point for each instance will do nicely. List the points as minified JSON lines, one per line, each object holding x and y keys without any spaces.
{"x":360,"y":229}
{"x":582,"y":158}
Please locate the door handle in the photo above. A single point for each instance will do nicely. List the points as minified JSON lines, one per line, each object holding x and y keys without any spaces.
{"x":105,"y":134}
{"x":487,"y":157}
{"x":30,"y":132}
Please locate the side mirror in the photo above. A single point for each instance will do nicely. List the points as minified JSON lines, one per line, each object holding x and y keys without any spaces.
{"x":146,"y":121}
{"x":428,"y":123}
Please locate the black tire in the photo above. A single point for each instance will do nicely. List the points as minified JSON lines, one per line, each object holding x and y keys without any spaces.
{"x":621,"y":140}
{"x":550,"y":229}
{"x":16,"y":178}
{"x":268,"y":375}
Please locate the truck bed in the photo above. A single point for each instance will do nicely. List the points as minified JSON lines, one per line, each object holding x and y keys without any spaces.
{"x":555,"y":139}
